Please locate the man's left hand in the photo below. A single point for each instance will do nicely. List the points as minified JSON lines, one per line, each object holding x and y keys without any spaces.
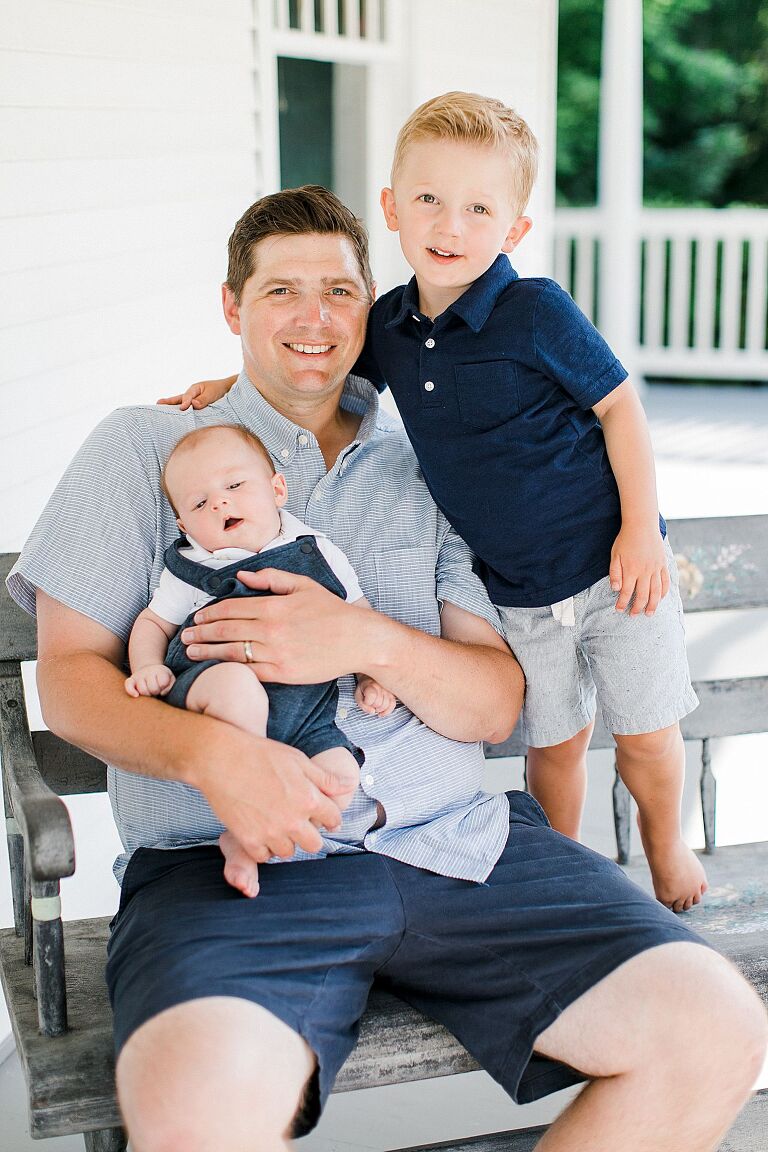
{"x":303,"y":634}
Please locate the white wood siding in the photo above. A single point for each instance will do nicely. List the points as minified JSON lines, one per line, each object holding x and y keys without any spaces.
{"x":127,"y":150}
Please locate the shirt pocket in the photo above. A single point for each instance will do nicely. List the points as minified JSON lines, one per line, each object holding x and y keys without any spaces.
{"x":406,"y":587}
{"x":488,"y":394}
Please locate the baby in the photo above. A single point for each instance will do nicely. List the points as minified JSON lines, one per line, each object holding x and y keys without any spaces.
{"x":228,"y":498}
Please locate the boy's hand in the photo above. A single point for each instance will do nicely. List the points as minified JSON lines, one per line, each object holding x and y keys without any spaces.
{"x":202,"y":394}
{"x":639,"y":569}
{"x":372,"y":698}
{"x":154,"y":680}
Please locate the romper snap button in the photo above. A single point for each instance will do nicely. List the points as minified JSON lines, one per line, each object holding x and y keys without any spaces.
{"x":306,"y":547}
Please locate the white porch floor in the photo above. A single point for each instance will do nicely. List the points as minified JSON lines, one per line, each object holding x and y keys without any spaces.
{"x":712,"y":459}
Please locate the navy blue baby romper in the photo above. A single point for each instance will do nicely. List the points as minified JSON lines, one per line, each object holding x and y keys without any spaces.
{"x":302,"y":715}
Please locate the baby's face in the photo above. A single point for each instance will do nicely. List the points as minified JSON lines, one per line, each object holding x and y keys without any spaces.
{"x":225,"y":494}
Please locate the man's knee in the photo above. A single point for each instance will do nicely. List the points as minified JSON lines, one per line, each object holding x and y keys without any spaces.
{"x":211,"y":1074}
{"x":681,"y":1006}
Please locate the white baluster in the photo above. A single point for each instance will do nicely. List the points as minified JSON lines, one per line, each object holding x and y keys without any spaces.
{"x":680,"y":293}
{"x":757,"y":290}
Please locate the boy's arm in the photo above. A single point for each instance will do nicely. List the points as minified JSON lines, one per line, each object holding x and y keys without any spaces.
{"x":638,"y":561}
{"x":147,"y":647}
{"x":202,"y":394}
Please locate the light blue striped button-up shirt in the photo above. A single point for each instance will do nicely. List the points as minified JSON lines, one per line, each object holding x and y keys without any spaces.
{"x":98,"y":548}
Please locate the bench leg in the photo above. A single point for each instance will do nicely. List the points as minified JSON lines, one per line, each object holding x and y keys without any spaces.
{"x":621,"y":809}
{"x":106,"y":1140}
{"x":708,"y":788}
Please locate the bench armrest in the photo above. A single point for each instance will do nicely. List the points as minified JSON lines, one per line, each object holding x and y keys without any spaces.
{"x":43,"y":820}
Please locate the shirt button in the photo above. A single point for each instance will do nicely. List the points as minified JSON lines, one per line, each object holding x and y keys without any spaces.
{"x":303,"y":440}
{"x":317,"y":496}
{"x":429,"y":386}
{"x":285,"y":453}
{"x":343,"y":713}
{"x":369,"y":781}
{"x":372,"y":838}
{"x":429,"y":343}
{"x":417,"y":319}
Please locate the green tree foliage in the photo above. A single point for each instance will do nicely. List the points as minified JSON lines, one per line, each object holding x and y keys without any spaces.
{"x":706,"y":106}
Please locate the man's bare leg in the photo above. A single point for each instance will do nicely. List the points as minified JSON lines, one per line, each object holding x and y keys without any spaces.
{"x":652,"y":765}
{"x":675,"y":1039}
{"x":212,"y":1074}
{"x":557,"y":778}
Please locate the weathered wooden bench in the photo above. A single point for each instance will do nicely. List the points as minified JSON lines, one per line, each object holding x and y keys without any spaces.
{"x":61,"y":1017}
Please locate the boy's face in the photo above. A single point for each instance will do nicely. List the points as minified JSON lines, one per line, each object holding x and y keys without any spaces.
{"x":452,"y":205}
{"x":224,"y":493}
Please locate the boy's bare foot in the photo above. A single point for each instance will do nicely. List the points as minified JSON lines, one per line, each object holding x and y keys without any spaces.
{"x":239,"y":869}
{"x":679,"y":879}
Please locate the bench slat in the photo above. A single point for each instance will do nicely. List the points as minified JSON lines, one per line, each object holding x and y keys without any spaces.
{"x":723,"y":561}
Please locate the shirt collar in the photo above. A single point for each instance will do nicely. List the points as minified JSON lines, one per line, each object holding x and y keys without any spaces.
{"x":474,"y":306}
{"x":281,"y":436}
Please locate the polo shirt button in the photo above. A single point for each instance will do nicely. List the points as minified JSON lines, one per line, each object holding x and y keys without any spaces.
{"x":372,"y":838}
{"x":303,"y":440}
{"x":343,"y":713}
{"x":429,"y":386}
{"x":285,"y":453}
{"x":429,"y":343}
{"x":305,"y":547}
{"x":369,"y":781}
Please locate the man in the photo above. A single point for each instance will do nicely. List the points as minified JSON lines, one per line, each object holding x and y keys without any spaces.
{"x":232,"y":1016}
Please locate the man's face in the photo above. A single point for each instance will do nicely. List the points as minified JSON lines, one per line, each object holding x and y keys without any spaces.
{"x":225,"y":493}
{"x":301,"y":317}
{"x":452,"y":205}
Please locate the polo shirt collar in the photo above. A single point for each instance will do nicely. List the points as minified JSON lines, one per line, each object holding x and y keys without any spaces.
{"x":474,"y":306}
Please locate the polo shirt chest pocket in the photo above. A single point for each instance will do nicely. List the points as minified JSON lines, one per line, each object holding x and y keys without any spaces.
{"x":488,"y":394}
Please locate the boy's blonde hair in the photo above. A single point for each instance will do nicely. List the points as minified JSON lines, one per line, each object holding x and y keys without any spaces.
{"x":467,"y":118}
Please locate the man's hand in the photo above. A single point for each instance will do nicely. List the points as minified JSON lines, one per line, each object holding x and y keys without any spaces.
{"x":274,"y":803}
{"x":154,"y":680}
{"x":639,"y":569}
{"x":373,"y":698}
{"x":301,"y":635}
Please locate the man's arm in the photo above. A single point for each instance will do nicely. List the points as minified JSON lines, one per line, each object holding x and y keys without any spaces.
{"x":465,"y":684}
{"x":266,"y":793}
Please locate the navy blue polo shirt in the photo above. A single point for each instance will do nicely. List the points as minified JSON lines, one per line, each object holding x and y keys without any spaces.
{"x":496,"y":396}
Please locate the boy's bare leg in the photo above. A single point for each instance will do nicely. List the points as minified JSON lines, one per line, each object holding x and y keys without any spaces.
{"x":675,"y":1040}
{"x":557,"y":778}
{"x":212,"y":1074}
{"x":233,"y":692}
{"x":652,"y":766}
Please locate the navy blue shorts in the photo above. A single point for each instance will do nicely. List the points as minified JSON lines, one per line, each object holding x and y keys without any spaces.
{"x":496,"y":963}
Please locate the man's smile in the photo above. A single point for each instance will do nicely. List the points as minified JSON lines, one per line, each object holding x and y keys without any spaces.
{"x":310,"y":349}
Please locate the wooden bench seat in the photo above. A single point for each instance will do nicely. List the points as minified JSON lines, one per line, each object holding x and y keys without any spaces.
{"x":61,"y":1019}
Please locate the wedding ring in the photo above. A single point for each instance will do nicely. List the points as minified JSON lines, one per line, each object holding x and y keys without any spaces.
{"x":249,"y":657}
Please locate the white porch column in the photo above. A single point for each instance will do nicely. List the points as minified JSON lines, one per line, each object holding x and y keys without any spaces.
{"x":620,"y":177}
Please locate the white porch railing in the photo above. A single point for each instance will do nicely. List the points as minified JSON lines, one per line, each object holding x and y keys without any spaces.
{"x":703,"y":293}
{"x":334,"y":29}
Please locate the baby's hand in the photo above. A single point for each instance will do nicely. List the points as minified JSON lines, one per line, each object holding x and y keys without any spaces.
{"x":154,"y":680}
{"x":370,"y":697}
{"x":639,"y":569}
{"x":202,"y":394}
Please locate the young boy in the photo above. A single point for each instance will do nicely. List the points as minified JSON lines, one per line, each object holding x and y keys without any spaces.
{"x":228,"y":498}
{"x":535,"y":446}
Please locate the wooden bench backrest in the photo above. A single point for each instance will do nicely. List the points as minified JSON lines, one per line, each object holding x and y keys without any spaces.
{"x":723,"y":563}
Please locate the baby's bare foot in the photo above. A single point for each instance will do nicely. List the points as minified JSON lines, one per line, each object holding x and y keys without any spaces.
{"x":679,"y":879}
{"x":239,"y":869}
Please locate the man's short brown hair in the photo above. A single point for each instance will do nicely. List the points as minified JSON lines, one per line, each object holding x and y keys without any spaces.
{"x":466,"y":118}
{"x":197,"y":434}
{"x":294,"y":212}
